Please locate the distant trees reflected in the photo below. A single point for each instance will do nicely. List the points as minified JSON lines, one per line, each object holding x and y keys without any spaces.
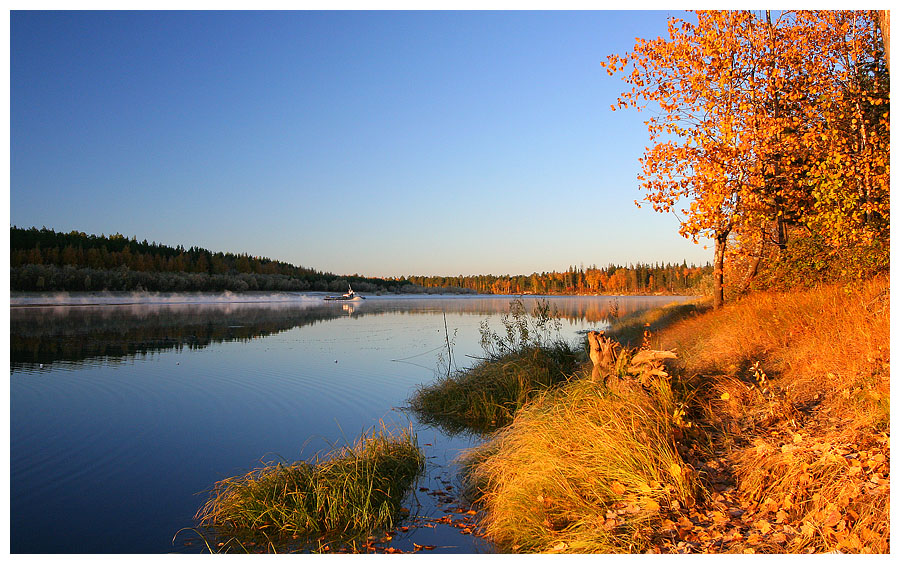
{"x":44,"y":335}
{"x":111,"y":333}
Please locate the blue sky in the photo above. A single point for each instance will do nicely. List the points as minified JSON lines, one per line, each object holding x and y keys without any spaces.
{"x":380,"y":143}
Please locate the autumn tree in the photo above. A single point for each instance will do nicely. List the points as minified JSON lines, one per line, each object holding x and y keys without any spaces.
{"x":702,"y":80}
{"x":763,"y":122}
{"x":848,"y":129}
{"x":884,"y":22}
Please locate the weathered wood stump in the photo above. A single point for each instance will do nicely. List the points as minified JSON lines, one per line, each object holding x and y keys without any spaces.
{"x":648,"y":364}
{"x":603,"y":355}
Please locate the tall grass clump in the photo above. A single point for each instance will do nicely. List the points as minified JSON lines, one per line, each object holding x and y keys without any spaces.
{"x":583,"y":471}
{"x":356,"y":488}
{"x":521,"y":361}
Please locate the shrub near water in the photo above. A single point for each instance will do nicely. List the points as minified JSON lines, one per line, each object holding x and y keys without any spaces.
{"x":357,"y":488}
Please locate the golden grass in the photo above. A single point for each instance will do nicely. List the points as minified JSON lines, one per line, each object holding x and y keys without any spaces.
{"x":788,"y":395}
{"x":582,"y":471}
{"x":814,"y":442}
{"x":629,"y":330}
{"x":832,"y":494}
{"x":828,"y":347}
{"x":487,"y":395}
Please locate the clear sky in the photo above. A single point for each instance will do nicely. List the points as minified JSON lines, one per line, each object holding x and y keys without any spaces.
{"x":380,"y":143}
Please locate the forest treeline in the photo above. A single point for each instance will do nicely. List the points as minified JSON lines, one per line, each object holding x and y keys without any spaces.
{"x":44,"y":260}
{"x":612,"y":279}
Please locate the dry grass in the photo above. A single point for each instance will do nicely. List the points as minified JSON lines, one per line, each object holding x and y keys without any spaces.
{"x":487,"y":395}
{"x":629,"y":330}
{"x":583,"y":471}
{"x":818,"y":342}
{"x":788,"y":395}
{"x":809,"y":440}
{"x":832,"y":496}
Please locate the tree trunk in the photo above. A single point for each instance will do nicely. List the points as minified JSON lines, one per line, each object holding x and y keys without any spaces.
{"x":884,"y":22}
{"x":603,"y":355}
{"x":780,"y":227}
{"x":719,"y":269}
{"x":752,"y":270}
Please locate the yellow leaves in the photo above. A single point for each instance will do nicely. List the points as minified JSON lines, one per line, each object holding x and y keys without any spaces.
{"x":632,"y":508}
{"x":763,"y":526}
{"x":678,"y":416}
{"x":718,"y":517}
{"x":831,"y":516}
{"x":781,"y":516}
{"x":609,"y":523}
{"x":726,"y":396}
{"x":675,"y":470}
{"x":667,"y":525}
{"x":418,"y":547}
{"x":762,"y":447}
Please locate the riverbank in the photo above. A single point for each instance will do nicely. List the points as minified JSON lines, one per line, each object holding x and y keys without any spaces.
{"x":769,"y":433}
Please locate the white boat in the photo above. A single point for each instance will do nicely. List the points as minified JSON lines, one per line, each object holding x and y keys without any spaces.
{"x":350,"y":296}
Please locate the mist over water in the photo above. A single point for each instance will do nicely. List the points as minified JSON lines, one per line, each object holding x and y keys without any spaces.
{"x":153,"y":298}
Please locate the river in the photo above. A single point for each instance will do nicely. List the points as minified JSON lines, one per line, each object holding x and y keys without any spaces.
{"x":124,"y":410}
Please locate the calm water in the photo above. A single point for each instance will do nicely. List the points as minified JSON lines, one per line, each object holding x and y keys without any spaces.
{"x":123,"y":414}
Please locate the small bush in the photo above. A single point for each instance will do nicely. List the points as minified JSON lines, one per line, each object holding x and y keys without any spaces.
{"x":525,"y":359}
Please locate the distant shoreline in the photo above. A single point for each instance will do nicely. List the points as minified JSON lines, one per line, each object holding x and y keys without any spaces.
{"x":20,"y":300}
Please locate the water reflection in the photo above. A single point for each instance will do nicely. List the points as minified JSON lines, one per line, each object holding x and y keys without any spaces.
{"x":43,"y":335}
{"x":46,"y":335}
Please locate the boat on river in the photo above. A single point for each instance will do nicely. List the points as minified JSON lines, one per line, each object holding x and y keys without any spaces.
{"x":350,"y":296}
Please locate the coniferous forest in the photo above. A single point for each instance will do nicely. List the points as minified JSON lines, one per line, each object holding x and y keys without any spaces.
{"x":44,"y":260}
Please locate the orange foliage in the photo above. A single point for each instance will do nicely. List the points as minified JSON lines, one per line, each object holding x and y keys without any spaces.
{"x":764,"y":124}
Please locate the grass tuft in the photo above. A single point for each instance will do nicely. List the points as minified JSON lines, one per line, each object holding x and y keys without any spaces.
{"x":356,"y":488}
{"x":487,"y":396}
{"x":580,"y":470}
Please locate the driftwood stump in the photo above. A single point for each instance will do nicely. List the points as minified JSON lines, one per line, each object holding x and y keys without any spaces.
{"x":603,"y":355}
{"x":648,"y":364}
